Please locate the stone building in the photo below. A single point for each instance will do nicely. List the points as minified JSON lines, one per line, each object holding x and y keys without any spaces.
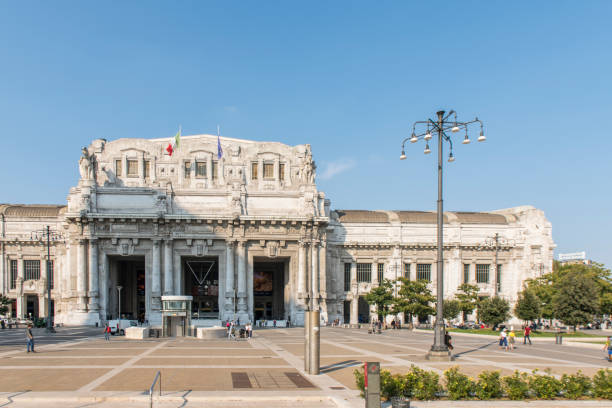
{"x":245,"y":232}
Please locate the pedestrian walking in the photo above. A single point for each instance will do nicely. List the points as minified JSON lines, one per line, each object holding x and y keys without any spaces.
{"x":527,"y":335}
{"x":608,"y":347}
{"x":30,"y":338}
{"x":107,"y":332}
{"x":503,"y":340}
{"x":448,"y":340}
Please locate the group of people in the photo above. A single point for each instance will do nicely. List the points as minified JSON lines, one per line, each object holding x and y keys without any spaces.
{"x":234,"y":331}
{"x":507,"y":339}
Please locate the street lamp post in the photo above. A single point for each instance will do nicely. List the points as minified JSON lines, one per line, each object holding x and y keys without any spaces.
{"x":497,"y":242}
{"x":439,"y":350}
{"x":49,"y":235}
{"x":119,"y":296}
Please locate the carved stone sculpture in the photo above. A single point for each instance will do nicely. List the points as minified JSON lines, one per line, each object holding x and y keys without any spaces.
{"x":86,"y":165}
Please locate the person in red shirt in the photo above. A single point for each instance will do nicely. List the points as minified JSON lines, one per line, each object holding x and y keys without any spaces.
{"x":527,"y":334}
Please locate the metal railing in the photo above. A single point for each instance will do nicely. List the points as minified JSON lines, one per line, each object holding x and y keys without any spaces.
{"x":157,"y":377}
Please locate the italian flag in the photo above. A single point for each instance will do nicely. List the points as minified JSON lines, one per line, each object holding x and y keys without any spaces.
{"x":174,"y":143}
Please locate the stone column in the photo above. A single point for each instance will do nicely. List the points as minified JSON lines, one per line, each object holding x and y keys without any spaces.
{"x":81,"y":274}
{"x":168,"y":277}
{"x":314,"y":277}
{"x":93,"y":274}
{"x":354,"y":310}
{"x":241,"y":252}
{"x":156,"y":275}
{"x":229,"y":276}
{"x":301,"y":278}
{"x":103,"y":302}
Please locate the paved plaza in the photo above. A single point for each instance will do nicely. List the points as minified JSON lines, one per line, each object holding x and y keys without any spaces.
{"x":76,"y":367}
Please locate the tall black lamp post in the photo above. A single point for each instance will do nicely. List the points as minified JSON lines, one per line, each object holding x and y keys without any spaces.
{"x":50,"y":236}
{"x":443,"y":124}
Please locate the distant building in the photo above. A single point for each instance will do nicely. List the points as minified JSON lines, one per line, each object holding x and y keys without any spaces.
{"x":247,"y":235}
{"x":574,"y":258}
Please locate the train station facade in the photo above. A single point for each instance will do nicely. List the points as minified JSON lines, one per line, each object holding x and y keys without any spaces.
{"x":245,"y":231}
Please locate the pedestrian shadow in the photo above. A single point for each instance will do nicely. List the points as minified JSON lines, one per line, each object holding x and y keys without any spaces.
{"x":475,"y":349}
{"x":340,"y":366}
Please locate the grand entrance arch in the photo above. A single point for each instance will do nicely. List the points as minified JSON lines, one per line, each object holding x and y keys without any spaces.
{"x":270,"y":293}
{"x":201,"y":281}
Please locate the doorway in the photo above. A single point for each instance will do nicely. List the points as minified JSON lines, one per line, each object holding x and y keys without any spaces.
{"x":129,"y":274}
{"x":32,"y":306}
{"x":201,"y":278}
{"x":268,"y":290}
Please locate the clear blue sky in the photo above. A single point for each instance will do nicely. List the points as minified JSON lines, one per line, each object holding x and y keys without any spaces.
{"x":349,"y":78}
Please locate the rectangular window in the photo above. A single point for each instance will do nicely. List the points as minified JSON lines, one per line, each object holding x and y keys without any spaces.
{"x":268,"y":170}
{"x":499,"y":272}
{"x":364,"y":272}
{"x":424,"y":272}
{"x":118,"y":168}
{"x":347,"y":277}
{"x":14,"y":273}
{"x":281,"y":171}
{"x":147,"y":173}
{"x":407,"y":271}
{"x":200,"y":170}
{"x":215,"y":170}
{"x":381,"y":272}
{"x":132,"y":168}
{"x":466,"y":273}
{"x":31,"y":269}
{"x":187,"y":170}
{"x":482,"y":273}
{"x":254,"y":168}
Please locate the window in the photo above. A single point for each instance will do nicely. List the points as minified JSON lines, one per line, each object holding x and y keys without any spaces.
{"x":200,"y":170}
{"x":381,"y":272}
{"x":347,"y":277}
{"x":281,"y":171}
{"x":14,"y":273}
{"x":118,"y":168}
{"x":254,"y":168}
{"x":268,"y":170}
{"x":147,"y":173}
{"x":215,"y":171}
{"x":31,"y":269}
{"x":364,"y":272}
{"x":187,"y":170}
{"x":132,"y":168}
{"x":466,"y":273}
{"x":482,"y":273}
{"x":407,"y":271}
{"x":499,"y":271}
{"x":51,"y":274}
{"x":424,"y":272}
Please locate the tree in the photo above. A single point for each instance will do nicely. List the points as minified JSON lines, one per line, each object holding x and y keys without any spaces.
{"x":467,"y":295}
{"x":4,"y":302}
{"x":528,"y":306}
{"x":576,"y":300}
{"x":452,"y":308}
{"x":494,"y":310}
{"x":381,"y":297}
{"x":414,"y":298}
{"x":544,"y":289}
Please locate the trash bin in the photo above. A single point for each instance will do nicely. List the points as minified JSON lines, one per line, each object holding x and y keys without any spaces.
{"x":400,"y":402}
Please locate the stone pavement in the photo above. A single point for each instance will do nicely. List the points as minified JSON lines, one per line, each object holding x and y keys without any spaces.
{"x":265,"y":371}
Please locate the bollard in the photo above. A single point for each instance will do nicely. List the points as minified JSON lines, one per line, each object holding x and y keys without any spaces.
{"x":307,"y":341}
{"x":371,"y":372}
{"x":315,"y":341}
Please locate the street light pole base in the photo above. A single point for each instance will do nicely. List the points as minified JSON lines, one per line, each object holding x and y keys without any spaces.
{"x":439,"y":356}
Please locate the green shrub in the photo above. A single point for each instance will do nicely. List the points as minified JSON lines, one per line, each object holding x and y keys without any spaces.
{"x":602,"y":384}
{"x":458,"y":385}
{"x":544,"y":386}
{"x":360,"y":381}
{"x":420,"y":384}
{"x":576,"y":385}
{"x":489,"y":385}
{"x":390,"y":385}
{"x":515,"y":386}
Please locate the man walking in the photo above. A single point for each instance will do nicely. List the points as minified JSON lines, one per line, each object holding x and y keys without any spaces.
{"x":107,"y":332}
{"x":527,"y":335}
{"x":30,"y":338}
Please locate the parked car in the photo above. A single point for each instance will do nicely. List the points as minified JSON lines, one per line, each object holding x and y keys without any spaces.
{"x":119,"y":326}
